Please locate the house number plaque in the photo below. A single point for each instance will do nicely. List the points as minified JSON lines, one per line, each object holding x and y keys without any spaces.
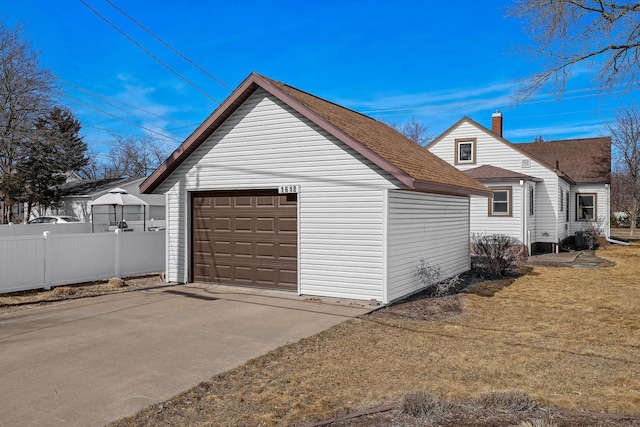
{"x":287,"y":189}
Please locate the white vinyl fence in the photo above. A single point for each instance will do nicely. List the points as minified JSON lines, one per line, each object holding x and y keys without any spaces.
{"x":33,"y":262}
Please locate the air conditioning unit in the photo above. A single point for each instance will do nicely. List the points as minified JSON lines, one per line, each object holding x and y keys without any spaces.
{"x":526,"y":163}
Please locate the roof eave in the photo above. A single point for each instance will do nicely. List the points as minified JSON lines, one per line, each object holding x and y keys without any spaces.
{"x":509,"y":179}
{"x":452,"y":190}
{"x":202,"y":132}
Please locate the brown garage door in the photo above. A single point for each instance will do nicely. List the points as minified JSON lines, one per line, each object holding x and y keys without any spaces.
{"x":247,"y":238}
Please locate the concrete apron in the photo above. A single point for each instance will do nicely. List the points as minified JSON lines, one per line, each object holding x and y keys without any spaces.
{"x":91,"y":361}
{"x":578,"y":259}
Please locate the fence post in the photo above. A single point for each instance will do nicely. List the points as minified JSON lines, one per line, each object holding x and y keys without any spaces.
{"x":118,"y":234}
{"x":46,"y":253}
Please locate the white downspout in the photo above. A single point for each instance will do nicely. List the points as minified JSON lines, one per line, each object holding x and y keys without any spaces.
{"x":525,"y":237}
{"x":557,"y":212}
{"x":607,"y":231}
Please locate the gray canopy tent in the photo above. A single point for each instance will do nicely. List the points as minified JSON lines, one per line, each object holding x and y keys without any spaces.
{"x":119,"y":197}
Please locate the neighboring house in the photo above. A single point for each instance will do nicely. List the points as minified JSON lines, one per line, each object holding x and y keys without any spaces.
{"x":77,"y":195}
{"x":281,"y":189}
{"x":543,"y":192}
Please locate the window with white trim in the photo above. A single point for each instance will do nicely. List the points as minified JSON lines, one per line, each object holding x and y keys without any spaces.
{"x":500,"y":204}
{"x":531,"y":201}
{"x":586,"y":207}
{"x":465,"y":151}
{"x":567,"y":205}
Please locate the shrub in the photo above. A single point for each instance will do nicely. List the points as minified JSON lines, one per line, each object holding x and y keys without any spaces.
{"x":116,"y":282}
{"x":495,"y":255}
{"x":431,"y":278}
{"x":538,"y":423}
{"x":422,"y":404}
{"x":508,"y":401}
{"x":591,"y":231}
{"x":428,"y":274}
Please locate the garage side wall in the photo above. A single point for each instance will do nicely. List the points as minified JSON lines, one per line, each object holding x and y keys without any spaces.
{"x":265,"y":144}
{"x":429,"y":226}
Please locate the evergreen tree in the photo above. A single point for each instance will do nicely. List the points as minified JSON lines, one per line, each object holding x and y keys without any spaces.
{"x":55,"y":149}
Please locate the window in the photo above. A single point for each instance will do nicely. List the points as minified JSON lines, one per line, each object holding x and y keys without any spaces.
{"x":500,"y":204}
{"x":465,"y":151}
{"x":561,"y":197}
{"x":567,"y":205}
{"x":531,"y":198}
{"x":586,"y":207}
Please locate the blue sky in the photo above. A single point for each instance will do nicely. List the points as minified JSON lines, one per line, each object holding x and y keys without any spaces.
{"x":427,"y":60}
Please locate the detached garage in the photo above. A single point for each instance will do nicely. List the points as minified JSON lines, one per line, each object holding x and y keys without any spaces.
{"x":281,"y":189}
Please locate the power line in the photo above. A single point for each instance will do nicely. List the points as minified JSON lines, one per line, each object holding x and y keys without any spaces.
{"x":129,"y":113}
{"x":545,"y":98}
{"x":168,"y":45}
{"x":103,"y":98}
{"x":117,"y":117}
{"x":149,"y":53}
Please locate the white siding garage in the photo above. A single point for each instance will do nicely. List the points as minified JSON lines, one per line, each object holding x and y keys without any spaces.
{"x":268,"y":135}
{"x":416,"y":230}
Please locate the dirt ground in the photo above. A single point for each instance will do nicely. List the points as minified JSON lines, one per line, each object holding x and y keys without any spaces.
{"x":565,"y":338}
{"x":39,"y":297}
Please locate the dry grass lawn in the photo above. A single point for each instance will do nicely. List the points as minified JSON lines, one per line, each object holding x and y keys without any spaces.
{"x":567,"y":337}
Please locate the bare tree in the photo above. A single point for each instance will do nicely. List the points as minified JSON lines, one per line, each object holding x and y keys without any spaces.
{"x":25,"y":95}
{"x":604,"y":34}
{"x":414,"y":130}
{"x":625,"y":137}
{"x":134,"y":156}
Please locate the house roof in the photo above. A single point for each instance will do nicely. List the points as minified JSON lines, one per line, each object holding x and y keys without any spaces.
{"x":561,"y":173}
{"x":585,"y":160}
{"x":92,"y":187}
{"x":404,"y":159}
{"x":488,"y":173}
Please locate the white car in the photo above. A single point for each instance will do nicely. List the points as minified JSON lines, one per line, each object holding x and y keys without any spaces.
{"x":52,"y":219}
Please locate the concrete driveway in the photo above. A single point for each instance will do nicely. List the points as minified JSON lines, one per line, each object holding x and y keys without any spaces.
{"x":88,"y":362}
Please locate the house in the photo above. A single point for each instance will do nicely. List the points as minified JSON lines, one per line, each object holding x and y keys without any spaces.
{"x":77,"y":195}
{"x":543,"y":192}
{"x":281,"y":189}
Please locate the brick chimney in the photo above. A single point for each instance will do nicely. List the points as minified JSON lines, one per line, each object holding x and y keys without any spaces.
{"x":496,"y":122}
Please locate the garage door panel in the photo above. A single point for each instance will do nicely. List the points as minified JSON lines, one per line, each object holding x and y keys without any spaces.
{"x":221,"y":248}
{"x":217,"y":202}
{"x":288,"y":251}
{"x":243,"y":225}
{"x":242,"y":201}
{"x":265,"y":225}
{"x":265,"y":249}
{"x":288,"y":276}
{"x":242,"y":249}
{"x":220,"y":223}
{"x":265,"y":275}
{"x":266,"y":201}
{"x":245,"y":238}
{"x":288,"y":225}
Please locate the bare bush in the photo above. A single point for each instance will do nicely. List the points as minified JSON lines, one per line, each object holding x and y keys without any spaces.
{"x":428,"y":274}
{"x":431,"y":278}
{"x":495,"y":255}
{"x":423,"y":404}
{"x":538,"y":423}
{"x":115,"y":282}
{"x":509,"y":401}
{"x":591,"y":231}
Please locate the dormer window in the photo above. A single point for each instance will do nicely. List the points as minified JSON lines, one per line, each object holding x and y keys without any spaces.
{"x":465,"y":151}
